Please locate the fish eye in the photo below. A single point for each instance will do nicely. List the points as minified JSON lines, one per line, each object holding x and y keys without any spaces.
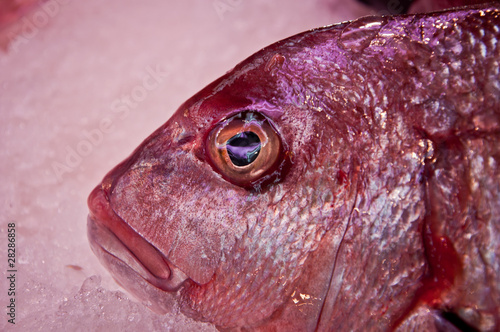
{"x":244,"y":148}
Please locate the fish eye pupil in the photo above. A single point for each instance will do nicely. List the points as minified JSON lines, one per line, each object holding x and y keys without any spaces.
{"x":243,"y":148}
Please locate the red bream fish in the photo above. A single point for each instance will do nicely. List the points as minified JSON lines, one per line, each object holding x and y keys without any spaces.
{"x":343,"y":179}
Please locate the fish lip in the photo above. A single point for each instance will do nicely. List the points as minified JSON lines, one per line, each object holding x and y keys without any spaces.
{"x":110,"y":235}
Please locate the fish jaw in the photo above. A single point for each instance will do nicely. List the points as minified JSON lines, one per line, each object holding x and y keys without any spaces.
{"x":115,"y":243}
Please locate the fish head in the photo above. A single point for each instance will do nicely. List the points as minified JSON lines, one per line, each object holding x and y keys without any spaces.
{"x":226,"y":200}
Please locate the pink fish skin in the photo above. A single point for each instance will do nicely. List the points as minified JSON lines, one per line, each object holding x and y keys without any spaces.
{"x":343,"y":179}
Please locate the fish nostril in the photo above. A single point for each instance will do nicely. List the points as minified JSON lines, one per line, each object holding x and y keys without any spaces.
{"x":184,"y":139}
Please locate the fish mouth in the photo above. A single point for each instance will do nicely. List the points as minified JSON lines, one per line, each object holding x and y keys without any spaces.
{"x":118,"y":246}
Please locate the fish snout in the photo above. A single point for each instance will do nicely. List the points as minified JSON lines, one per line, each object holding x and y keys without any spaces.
{"x":116,"y":244}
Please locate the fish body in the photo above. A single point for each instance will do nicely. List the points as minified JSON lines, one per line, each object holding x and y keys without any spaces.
{"x":342,"y":179}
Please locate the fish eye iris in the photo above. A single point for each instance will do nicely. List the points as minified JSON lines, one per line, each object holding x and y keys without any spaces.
{"x":243,"y":148}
